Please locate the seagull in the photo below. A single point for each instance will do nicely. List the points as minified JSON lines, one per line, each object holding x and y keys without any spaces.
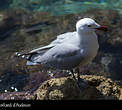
{"x":70,"y":49}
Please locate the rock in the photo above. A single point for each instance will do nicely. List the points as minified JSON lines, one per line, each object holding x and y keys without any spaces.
{"x":65,"y":88}
{"x":98,"y":87}
{"x":17,"y":96}
{"x":17,"y":80}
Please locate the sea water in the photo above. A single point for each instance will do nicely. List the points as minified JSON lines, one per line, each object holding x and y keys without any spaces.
{"x":60,"y":7}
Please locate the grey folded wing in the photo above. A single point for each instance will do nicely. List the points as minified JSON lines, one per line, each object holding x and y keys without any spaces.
{"x":36,"y":53}
{"x":60,"y":39}
{"x":59,"y":57}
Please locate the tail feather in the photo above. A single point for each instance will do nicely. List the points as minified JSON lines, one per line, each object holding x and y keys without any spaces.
{"x":28,"y":57}
{"x":23,"y":56}
{"x":31,"y":57}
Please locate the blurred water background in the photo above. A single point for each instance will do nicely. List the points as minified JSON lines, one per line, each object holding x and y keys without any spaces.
{"x":61,"y":7}
{"x":28,"y":24}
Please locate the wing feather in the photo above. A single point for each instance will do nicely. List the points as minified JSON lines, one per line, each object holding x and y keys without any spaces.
{"x":59,"y":40}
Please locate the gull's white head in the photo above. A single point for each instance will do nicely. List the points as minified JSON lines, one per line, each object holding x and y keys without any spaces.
{"x":88,"y":25}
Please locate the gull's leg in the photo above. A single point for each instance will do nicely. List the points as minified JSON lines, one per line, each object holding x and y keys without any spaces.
{"x":73,"y":75}
{"x":78,"y":74}
{"x":81,"y":82}
{"x":76,"y":81}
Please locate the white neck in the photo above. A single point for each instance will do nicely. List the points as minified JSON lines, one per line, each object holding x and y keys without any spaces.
{"x":87,"y":39}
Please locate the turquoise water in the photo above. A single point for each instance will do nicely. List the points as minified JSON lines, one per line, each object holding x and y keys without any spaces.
{"x":60,"y":7}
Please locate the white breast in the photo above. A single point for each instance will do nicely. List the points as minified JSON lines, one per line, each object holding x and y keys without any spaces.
{"x":89,"y":44}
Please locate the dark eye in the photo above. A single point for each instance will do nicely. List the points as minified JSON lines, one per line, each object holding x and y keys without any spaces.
{"x":89,"y":25}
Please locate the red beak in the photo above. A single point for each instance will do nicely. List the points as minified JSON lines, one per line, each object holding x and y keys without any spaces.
{"x":103,"y":28}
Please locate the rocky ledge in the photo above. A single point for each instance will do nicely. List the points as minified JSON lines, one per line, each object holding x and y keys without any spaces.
{"x":65,"y":88}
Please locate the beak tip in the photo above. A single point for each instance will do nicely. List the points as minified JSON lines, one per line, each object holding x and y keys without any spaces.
{"x":103,"y":28}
